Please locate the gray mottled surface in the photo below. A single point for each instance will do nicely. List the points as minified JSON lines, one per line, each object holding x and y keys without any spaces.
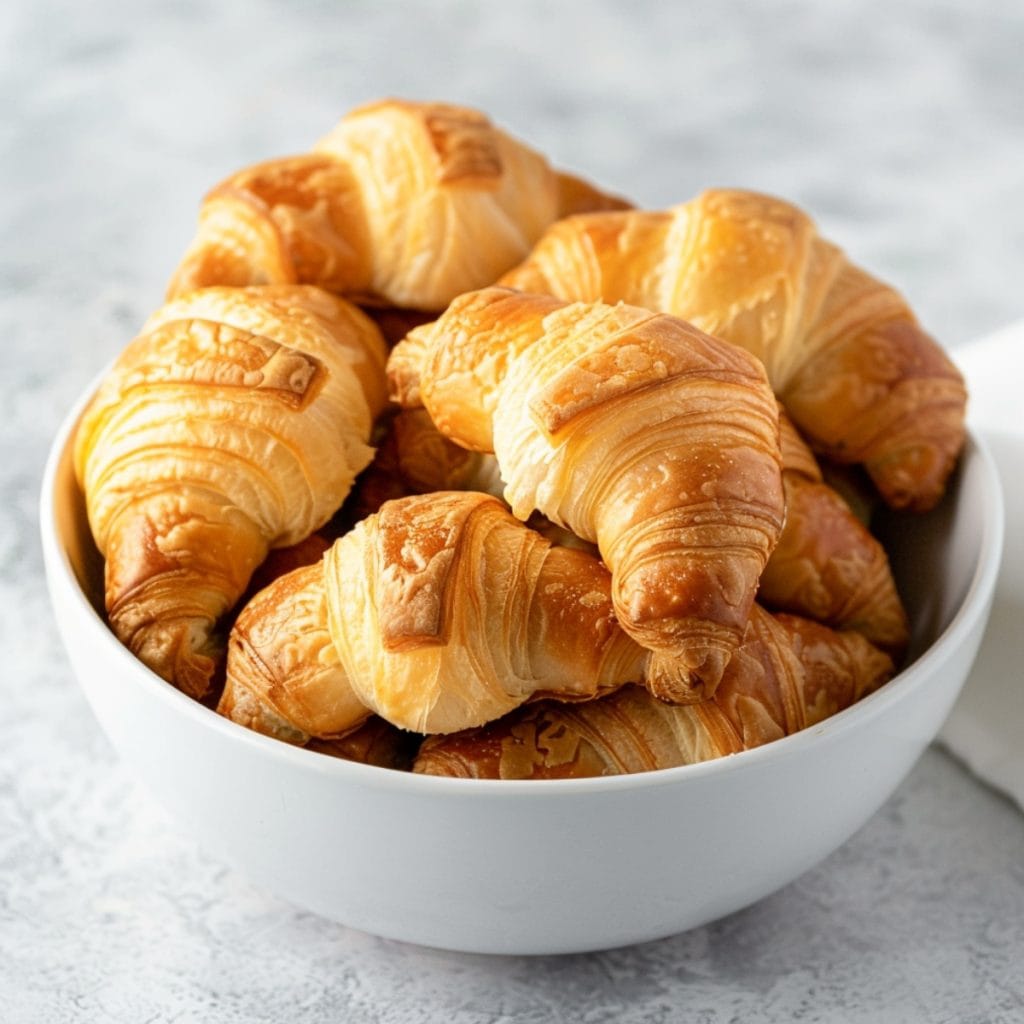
{"x":900,"y":125}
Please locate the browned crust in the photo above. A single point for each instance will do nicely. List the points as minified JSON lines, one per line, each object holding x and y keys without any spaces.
{"x":418,"y":543}
{"x":788,"y":674}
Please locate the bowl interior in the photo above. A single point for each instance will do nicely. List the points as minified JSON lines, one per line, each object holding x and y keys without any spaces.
{"x":938,"y":558}
{"x":71,"y":526}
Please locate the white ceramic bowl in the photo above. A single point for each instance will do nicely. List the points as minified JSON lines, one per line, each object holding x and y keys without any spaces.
{"x":536,"y":867}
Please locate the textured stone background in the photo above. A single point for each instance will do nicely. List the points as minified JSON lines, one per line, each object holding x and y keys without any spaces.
{"x":900,"y":125}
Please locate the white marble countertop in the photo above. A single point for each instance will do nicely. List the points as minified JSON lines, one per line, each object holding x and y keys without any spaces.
{"x":899,"y":125}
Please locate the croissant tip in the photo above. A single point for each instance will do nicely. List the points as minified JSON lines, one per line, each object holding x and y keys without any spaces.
{"x":673,"y":680}
{"x":912,"y":477}
{"x":904,"y":497}
{"x":184,"y":653}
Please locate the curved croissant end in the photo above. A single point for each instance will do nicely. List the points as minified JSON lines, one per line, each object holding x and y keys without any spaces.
{"x":827,"y":566}
{"x":234,"y":423}
{"x":843,"y":351}
{"x":284,"y":678}
{"x":404,"y":365}
{"x":786,"y":675}
{"x":634,"y":430}
{"x":403,"y":204}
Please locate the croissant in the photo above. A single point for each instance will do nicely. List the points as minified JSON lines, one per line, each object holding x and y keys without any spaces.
{"x":827,"y":566}
{"x":236,"y":422}
{"x":439,"y":612}
{"x":635,"y":431}
{"x":844,"y":353}
{"x":402,"y":204}
{"x":788,"y":674}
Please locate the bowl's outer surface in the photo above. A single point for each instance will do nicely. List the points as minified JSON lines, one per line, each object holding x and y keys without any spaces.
{"x":535,"y":867}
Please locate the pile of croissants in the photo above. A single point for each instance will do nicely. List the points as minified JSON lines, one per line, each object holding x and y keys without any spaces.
{"x":440,"y":459}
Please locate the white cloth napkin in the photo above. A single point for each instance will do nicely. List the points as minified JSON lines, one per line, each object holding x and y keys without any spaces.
{"x":986,"y":727}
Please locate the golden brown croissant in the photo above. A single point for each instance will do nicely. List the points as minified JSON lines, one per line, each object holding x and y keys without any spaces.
{"x":827,"y":566}
{"x":843,"y":351}
{"x":439,"y":612}
{"x":788,"y":674}
{"x":234,"y":423}
{"x":402,"y":204}
{"x":635,"y":431}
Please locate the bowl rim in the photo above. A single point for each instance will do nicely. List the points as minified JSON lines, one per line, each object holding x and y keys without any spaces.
{"x":981,"y":586}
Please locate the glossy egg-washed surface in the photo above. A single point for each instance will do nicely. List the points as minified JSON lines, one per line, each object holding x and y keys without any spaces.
{"x":634,"y":430}
{"x":842,"y":349}
{"x":404,"y":204}
{"x":235,"y":422}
